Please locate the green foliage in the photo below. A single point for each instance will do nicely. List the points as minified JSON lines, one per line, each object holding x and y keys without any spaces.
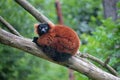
{"x":81,"y":15}
{"x":104,"y":42}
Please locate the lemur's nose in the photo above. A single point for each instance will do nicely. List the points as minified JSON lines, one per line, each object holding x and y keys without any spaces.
{"x":43,"y":30}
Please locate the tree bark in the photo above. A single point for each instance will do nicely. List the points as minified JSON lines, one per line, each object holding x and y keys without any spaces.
{"x":110,"y":9}
{"x":79,"y":64}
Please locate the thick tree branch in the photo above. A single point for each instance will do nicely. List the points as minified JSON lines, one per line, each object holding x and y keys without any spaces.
{"x":27,"y":45}
{"x":109,"y":68}
{"x":42,"y":18}
{"x":79,"y":65}
{"x":10,"y":28}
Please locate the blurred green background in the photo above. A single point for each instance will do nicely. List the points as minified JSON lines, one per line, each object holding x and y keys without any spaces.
{"x":99,"y":37}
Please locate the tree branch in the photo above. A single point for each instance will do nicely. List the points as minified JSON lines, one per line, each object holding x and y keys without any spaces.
{"x":107,"y":60}
{"x":109,"y":68}
{"x":10,"y":28}
{"x":74,"y":63}
{"x":27,"y":6}
{"x":80,"y":65}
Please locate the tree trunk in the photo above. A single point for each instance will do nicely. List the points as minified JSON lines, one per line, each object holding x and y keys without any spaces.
{"x":110,"y":9}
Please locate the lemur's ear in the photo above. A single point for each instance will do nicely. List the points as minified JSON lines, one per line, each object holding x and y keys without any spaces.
{"x":35,"y":28}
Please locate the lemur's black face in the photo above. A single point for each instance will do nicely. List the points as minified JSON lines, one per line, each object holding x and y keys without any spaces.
{"x":43,"y":28}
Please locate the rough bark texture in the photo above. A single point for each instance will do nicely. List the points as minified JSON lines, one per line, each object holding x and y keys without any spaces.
{"x":79,"y":64}
{"x":110,"y":9}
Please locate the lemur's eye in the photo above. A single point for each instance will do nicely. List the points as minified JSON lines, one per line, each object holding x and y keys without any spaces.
{"x":39,"y":27}
{"x":46,"y":27}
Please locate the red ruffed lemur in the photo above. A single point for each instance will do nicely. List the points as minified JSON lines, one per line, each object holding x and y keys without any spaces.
{"x":59,"y":42}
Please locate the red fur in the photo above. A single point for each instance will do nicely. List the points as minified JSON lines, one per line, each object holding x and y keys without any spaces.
{"x":61,"y":38}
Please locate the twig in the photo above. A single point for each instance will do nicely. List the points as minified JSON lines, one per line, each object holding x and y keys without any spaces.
{"x":27,"y":6}
{"x":109,"y":68}
{"x":74,"y":63}
{"x":107,"y":60}
{"x":10,"y":27}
